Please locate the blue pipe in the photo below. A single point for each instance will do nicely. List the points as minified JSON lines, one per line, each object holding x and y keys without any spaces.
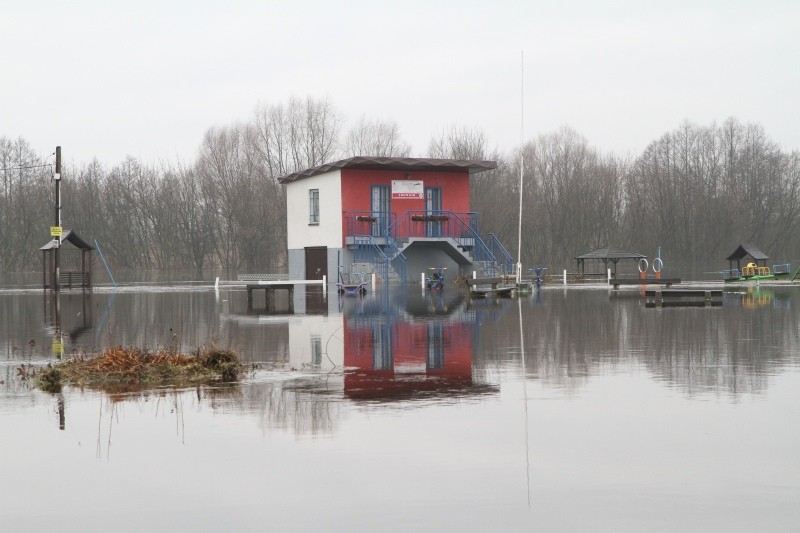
{"x":104,"y":262}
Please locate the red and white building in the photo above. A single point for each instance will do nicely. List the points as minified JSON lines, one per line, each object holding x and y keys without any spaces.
{"x":396,"y":217}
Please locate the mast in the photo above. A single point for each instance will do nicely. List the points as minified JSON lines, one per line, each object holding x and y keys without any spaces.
{"x":521,"y":161}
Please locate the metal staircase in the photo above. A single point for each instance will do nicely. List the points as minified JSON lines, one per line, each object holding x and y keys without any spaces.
{"x":380,"y":240}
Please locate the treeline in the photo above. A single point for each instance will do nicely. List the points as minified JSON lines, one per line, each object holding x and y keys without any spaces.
{"x":696,"y":192}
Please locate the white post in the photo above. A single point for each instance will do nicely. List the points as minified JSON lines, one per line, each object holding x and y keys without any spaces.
{"x":216,"y":284}
{"x":324,"y":281}
{"x":422,"y":279}
{"x":565,"y":276}
{"x":373,"y":281}
{"x":474,"y":274}
{"x":609,"y":276}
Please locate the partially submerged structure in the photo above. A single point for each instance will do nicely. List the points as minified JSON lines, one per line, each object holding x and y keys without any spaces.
{"x":75,"y":262}
{"x":396,"y":217}
{"x":755,"y":268}
{"x":607,"y":255}
{"x":747,"y":250}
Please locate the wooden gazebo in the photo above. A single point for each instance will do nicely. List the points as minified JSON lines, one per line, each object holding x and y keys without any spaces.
{"x":747,"y":250}
{"x":608,"y":254}
{"x":75,"y":262}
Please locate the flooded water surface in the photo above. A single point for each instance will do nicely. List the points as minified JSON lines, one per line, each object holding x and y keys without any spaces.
{"x":572,"y":409}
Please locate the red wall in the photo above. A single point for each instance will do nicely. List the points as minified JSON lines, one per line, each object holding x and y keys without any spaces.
{"x":357,"y":187}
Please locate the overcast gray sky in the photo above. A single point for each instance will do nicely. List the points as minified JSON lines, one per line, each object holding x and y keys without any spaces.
{"x":106,"y":79}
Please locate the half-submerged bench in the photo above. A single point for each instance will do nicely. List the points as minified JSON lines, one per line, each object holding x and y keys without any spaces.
{"x":682,"y":297}
{"x":269,"y":295}
{"x":270,"y":284}
{"x":480,"y":287}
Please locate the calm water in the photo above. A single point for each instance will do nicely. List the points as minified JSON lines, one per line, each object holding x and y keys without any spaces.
{"x":404,"y":410}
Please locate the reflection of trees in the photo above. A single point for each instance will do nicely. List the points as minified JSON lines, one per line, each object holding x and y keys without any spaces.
{"x":728,"y":350}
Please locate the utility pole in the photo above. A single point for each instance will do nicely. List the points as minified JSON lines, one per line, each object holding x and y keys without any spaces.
{"x":57,"y":178}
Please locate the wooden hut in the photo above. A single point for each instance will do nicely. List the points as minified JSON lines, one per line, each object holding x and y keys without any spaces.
{"x":747,"y":250}
{"x":75,"y":262}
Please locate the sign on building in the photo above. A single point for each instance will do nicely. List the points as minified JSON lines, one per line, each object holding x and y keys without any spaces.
{"x":404,"y":189}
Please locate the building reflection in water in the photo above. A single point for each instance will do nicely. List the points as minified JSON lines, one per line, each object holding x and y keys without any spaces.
{"x":388,"y":346}
{"x":416,"y":348}
{"x":392,"y":346}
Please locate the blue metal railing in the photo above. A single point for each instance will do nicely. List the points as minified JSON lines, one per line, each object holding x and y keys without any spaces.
{"x":731,"y":274}
{"x":461,"y":227}
{"x":372,"y":242}
{"x":784,"y":268}
{"x":504,"y":258}
{"x":376,"y":236}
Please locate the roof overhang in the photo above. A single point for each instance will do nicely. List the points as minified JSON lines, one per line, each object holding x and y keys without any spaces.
{"x":394,"y":163}
{"x":610,"y":253}
{"x":71,"y":237}
{"x":747,"y":249}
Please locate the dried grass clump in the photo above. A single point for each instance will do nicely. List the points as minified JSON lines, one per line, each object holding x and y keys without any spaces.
{"x":131,"y":368}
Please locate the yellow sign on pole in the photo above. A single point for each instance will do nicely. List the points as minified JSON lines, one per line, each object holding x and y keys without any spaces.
{"x":58,"y":347}
{"x":56,"y":231}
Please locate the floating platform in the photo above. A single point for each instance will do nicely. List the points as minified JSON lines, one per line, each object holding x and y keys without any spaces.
{"x":683,"y":297}
{"x":484,"y":292}
{"x":616,"y":282}
{"x":483,"y":287}
{"x":756,"y":273}
{"x":740,"y":279}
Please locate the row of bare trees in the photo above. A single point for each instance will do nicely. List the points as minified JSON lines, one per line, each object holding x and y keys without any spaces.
{"x":696,"y":192}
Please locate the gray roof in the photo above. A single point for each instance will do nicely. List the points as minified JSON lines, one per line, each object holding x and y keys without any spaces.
{"x":745,"y":250}
{"x":393,"y":163}
{"x":611,"y":252}
{"x":71,"y":237}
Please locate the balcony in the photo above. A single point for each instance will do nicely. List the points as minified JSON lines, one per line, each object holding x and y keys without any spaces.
{"x":401,"y":226}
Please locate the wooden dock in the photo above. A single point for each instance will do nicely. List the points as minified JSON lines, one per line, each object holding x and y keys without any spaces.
{"x":483,"y":287}
{"x":683,"y":297}
{"x":616,"y":282}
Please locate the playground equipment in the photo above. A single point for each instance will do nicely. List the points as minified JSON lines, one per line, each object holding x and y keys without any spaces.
{"x":538,"y":273}
{"x":754,"y":272}
{"x":436,"y":280}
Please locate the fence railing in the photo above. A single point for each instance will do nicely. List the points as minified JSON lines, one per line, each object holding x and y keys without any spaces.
{"x":364,"y":227}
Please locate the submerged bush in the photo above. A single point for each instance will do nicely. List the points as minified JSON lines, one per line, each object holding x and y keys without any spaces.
{"x":135,"y":368}
{"x":49,"y":379}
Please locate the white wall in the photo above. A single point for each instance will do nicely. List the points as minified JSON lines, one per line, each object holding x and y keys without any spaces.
{"x":329,"y":231}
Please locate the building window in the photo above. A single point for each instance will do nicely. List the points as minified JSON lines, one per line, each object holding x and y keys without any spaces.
{"x":313,"y":206}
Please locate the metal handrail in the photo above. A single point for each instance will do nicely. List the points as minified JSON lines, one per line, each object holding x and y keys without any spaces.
{"x":461,"y":227}
{"x":505,"y":259}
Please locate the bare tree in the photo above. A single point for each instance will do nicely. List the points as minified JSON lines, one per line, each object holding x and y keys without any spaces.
{"x":26,"y":204}
{"x":459,"y":143}
{"x":375,"y":138}
{"x":302,"y":134}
